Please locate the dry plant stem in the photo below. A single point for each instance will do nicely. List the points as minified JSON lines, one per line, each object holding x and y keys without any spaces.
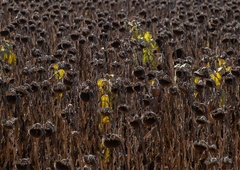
{"x":48,"y":153}
{"x":141,"y":140}
{"x":125,"y":156}
{"x":64,"y":135}
{"x":35,"y":153}
{"x":128,"y":146}
{"x":7,"y":147}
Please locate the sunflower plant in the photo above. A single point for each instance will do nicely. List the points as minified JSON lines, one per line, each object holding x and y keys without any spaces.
{"x":145,"y":38}
{"x":6,"y":52}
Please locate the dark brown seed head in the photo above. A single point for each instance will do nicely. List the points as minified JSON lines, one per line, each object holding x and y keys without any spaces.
{"x":4,"y":32}
{"x":211,"y":162}
{"x":218,"y":114}
{"x":173,"y":90}
{"x":236,"y":71}
{"x":8,"y":124}
{"x":86,"y":94}
{"x":165,"y":81}
{"x":65,"y":44}
{"x":229,"y":79}
{"x":213,"y":148}
{"x":202,"y":72}
{"x":11,"y":96}
{"x":184,"y":87}
{"x":199,"y":109}
{"x":35,"y":87}
{"x":45,"y":85}
{"x":59,"y":87}
{"x":116,"y":43}
{"x":23,"y":164}
{"x":67,"y":81}
{"x":36,"y":130}
{"x":129,"y":87}
{"x":58,"y":54}
{"x":178,"y":31}
{"x":149,"y":118}
{"x":139,"y":71}
{"x":200,"y":85}
{"x":147,"y":100}
{"x":24,"y":39}
{"x":200,"y":146}
{"x":202,"y":120}
{"x":64,"y":164}
{"x":135,"y":121}
{"x":49,"y":129}
{"x":138,"y":86}
{"x":105,"y":111}
{"x":210,"y":83}
{"x":90,"y":160}
{"x":123,"y":108}
{"x":111,"y":140}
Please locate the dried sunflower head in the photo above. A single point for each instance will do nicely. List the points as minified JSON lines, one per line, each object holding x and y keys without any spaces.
{"x":200,"y":146}
{"x":36,"y":130}
{"x":149,"y":118}
{"x":111,"y":140}
{"x":64,"y":164}
{"x":23,"y":164}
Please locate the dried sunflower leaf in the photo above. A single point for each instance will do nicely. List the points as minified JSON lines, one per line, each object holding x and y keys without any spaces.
{"x":59,"y":74}
{"x":104,"y":101}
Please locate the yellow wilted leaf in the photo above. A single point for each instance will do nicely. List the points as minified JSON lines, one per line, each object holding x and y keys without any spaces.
{"x":104,"y":101}
{"x":195,"y":94}
{"x":106,"y":157}
{"x":100,"y":126}
{"x":147,"y":36}
{"x":216,"y":78}
{"x":55,"y":66}
{"x":196,"y":80}
{"x":208,"y":44}
{"x":12,"y":59}
{"x":228,"y":68}
{"x":151,"y":82}
{"x":153,"y":45}
{"x":147,"y":57}
{"x":5,"y":56}
{"x":59,"y":74}
{"x":218,"y":75}
{"x":135,"y":33}
{"x":60,"y":95}
{"x":208,"y":64}
{"x":221,"y":62}
{"x":139,"y":37}
{"x":221,"y":102}
{"x":105,"y":119}
{"x":102,"y":84}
